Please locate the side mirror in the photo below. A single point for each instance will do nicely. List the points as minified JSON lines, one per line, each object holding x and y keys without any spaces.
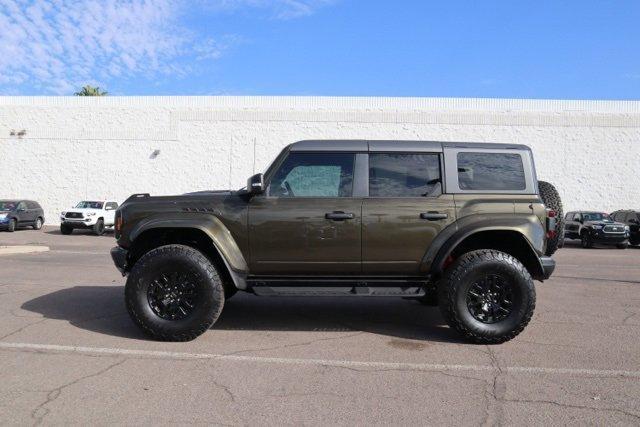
{"x":255,"y":184}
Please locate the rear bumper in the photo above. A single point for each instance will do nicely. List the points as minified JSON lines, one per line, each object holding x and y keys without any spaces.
{"x":548,"y":265}
{"x":119,"y":256}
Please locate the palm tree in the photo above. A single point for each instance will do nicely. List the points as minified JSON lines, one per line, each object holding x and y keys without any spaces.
{"x":91,"y":91}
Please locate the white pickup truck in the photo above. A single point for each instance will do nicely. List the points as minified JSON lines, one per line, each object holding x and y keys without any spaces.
{"x":94,"y":215}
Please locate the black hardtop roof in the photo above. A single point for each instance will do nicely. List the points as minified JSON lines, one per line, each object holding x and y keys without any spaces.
{"x":394,"y":145}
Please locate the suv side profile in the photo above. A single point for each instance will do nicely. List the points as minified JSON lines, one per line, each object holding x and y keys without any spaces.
{"x":631,"y":218}
{"x":462,"y":225}
{"x":20,"y":213}
{"x":595,"y":228}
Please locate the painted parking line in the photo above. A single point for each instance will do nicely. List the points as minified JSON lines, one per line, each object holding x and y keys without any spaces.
{"x":22,"y":249}
{"x":372,"y":366}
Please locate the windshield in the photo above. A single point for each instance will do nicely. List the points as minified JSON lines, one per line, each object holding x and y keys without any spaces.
{"x":7,"y":205}
{"x":89,"y":205}
{"x":595,"y":216}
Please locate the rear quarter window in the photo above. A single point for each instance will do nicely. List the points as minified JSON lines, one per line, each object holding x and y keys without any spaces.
{"x":491,"y":171}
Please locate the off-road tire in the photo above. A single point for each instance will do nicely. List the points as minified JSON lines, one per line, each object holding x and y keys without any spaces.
{"x":551,"y":199}
{"x":38,"y":224}
{"x":13,"y":224}
{"x":463,"y":273}
{"x":622,"y":245}
{"x":166,"y":259}
{"x":65,"y":229}
{"x":585,"y":240}
{"x":98,"y":227}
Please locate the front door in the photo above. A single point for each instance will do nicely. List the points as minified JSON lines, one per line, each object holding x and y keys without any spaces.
{"x":307,"y":222}
{"x":404,"y":212}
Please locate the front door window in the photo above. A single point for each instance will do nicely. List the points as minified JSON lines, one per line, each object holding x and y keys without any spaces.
{"x":314,"y":175}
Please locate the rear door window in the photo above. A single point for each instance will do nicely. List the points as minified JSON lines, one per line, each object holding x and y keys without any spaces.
{"x":491,"y":171}
{"x":403,"y":175}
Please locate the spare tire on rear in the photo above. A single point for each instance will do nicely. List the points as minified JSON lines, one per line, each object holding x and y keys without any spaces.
{"x":551,"y":199}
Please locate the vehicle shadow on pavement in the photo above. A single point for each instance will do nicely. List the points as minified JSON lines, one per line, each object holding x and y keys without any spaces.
{"x":101,"y":309}
{"x":392,"y":317}
{"x":94,"y":308}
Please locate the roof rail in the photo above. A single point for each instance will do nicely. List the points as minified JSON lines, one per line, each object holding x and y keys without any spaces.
{"x":138,"y":196}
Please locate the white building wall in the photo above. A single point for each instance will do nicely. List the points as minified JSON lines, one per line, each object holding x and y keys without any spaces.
{"x":87,"y":148}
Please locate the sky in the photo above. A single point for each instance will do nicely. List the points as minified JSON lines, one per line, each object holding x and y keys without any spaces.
{"x":558,"y":49}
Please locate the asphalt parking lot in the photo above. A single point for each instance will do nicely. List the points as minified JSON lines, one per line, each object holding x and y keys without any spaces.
{"x":70,"y":354}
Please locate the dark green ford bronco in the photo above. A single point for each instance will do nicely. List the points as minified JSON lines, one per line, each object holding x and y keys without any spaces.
{"x":465,"y":226}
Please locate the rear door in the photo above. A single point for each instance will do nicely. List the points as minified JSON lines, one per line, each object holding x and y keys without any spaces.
{"x":307,"y":222}
{"x":404,"y":212}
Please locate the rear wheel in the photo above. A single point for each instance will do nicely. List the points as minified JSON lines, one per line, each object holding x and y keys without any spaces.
{"x":551,"y":199}
{"x":98,"y":228}
{"x":488,"y":296}
{"x":38,"y":224}
{"x":65,"y":229}
{"x":174,"y":293}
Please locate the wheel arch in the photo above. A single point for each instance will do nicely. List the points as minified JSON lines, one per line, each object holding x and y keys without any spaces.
{"x":211,"y":237}
{"x":509,"y":240}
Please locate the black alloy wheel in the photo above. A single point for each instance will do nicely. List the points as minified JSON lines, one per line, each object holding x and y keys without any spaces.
{"x":173,"y":296}
{"x":490,"y":298}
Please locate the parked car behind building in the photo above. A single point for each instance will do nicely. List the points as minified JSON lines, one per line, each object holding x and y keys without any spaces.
{"x":631,"y":218}
{"x":94,"y":215}
{"x":20,"y":213}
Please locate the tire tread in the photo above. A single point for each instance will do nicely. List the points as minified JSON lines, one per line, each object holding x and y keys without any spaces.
{"x":142,"y":266}
{"x":464,"y":265}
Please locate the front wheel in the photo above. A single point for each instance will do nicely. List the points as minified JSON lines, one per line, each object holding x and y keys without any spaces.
{"x":13,"y":224}
{"x":65,"y":229}
{"x":174,"y":293}
{"x":488,"y":296}
{"x":622,"y":245}
{"x":585,"y":240}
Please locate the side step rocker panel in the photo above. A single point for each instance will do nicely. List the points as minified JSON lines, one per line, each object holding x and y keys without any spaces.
{"x":330,"y":288}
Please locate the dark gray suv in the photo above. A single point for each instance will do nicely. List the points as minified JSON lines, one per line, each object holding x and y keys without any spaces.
{"x":20,"y":213}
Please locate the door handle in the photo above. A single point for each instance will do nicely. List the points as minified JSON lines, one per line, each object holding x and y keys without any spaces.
{"x":339,"y":215}
{"x":433,"y":216}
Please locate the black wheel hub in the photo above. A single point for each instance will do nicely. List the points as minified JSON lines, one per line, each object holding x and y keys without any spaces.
{"x":490,"y":298}
{"x":173,"y":296}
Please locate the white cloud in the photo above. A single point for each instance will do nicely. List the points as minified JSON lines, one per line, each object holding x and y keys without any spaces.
{"x":56,"y":46}
{"x":279,"y":9}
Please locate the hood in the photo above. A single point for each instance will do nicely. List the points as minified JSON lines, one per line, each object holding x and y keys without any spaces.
{"x":200,"y":201}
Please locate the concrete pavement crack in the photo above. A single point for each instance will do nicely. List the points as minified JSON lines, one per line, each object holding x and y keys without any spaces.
{"x":567,"y":405}
{"x":40,"y":412}
{"x":494,"y":392}
{"x":22,"y":328}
